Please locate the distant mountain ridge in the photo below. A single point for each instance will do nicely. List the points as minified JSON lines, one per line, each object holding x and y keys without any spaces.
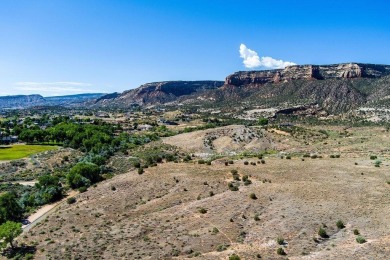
{"x":26,"y":101}
{"x":332,"y":88}
{"x":159,"y":93}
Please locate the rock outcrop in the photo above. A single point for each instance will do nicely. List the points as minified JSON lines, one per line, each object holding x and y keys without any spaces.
{"x":308,"y":72}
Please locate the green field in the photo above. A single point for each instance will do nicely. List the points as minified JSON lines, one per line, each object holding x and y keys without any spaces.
{"x":20,"y":151}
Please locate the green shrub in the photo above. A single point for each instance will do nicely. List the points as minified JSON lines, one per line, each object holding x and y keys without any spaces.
{"x":83,"y":174}
{"x":202,"y":211}
{"x":71,"y":200}
{"x":246,"y":163}
{"x":201,"y":162}
{"x":262,"y":162}
{"x":253,"y":196}
{"x":215,"y":231}
{"x":226,"y":163}
{"x":231,"y":162}
{"x":288,"y":157}
{"x":232,"y":187}
{"x":222,"y":247}
{"x":373,"y":157}
{"x":340,"y":224}
{"x":247,"y":182}
{"x":140,"y":171}
{"x":361,"y":240}
{"x":234,"y":257}
{"x":136,"y":164}
{"x":378,"y":163}
{"x":280,"y":240}
{"x":234,"y":172}
{"x":82,"y":189}
{"x":256,"y":217}
{"x":280,"y":251}
{"x":356,"y":232}
{"x":322,"y":233}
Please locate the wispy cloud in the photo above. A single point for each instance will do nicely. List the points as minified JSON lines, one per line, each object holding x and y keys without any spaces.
{"x":252,"y":60}
{"x":54,"y":88}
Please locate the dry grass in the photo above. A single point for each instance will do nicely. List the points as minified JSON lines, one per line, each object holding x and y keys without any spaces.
{"x":156,"y":215}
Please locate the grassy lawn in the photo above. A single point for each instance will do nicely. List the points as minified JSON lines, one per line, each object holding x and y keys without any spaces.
{"x":20,"y":151}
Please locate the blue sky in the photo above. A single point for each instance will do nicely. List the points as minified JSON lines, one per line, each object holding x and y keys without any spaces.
{"x":55,"y":47}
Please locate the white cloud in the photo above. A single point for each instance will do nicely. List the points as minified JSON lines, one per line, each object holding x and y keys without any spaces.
{"x":252,"y":60}
{"x":53,"y":88}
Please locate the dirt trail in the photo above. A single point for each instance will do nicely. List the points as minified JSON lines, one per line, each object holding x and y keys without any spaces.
{"x":43,"y":211}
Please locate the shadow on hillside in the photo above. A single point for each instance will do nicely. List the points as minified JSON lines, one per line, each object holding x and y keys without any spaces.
{"x":19,"y":252}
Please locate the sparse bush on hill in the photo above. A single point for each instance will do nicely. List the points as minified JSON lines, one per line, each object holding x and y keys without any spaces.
{"x":377,"y":163}
{"x":373,"y":157}
{"x":234,"y":257}
{"x":232,"y":186}
{"x":322,"y":233}
{"x":253,"y":196}
{"x":280,"y":251}
{"x":71,"y":200}
{"x":222,"y":247}
{"x":361,"y":240}
{"x":202,"y":211}
{"x":340,"y":224}
{"x":82,"y":189}
{"x":280,"y":240}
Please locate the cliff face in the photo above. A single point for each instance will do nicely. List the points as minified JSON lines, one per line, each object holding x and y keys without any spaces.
{"x":308,"y":72}
{"x":161,"y":92}
{"x":331,"y":88}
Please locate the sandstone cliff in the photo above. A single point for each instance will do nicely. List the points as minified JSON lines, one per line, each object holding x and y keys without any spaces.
{"x":308,"y":72}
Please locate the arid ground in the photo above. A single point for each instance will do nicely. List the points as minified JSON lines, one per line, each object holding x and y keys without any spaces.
{"x":184,"y":210}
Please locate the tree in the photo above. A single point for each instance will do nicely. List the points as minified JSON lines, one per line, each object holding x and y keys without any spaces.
{"x":9,"y":231}
{"x":9,"y":208}
{"x":83,"y":174}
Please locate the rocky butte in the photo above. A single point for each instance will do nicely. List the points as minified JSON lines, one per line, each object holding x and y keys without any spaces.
{"x":308,"y":72}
